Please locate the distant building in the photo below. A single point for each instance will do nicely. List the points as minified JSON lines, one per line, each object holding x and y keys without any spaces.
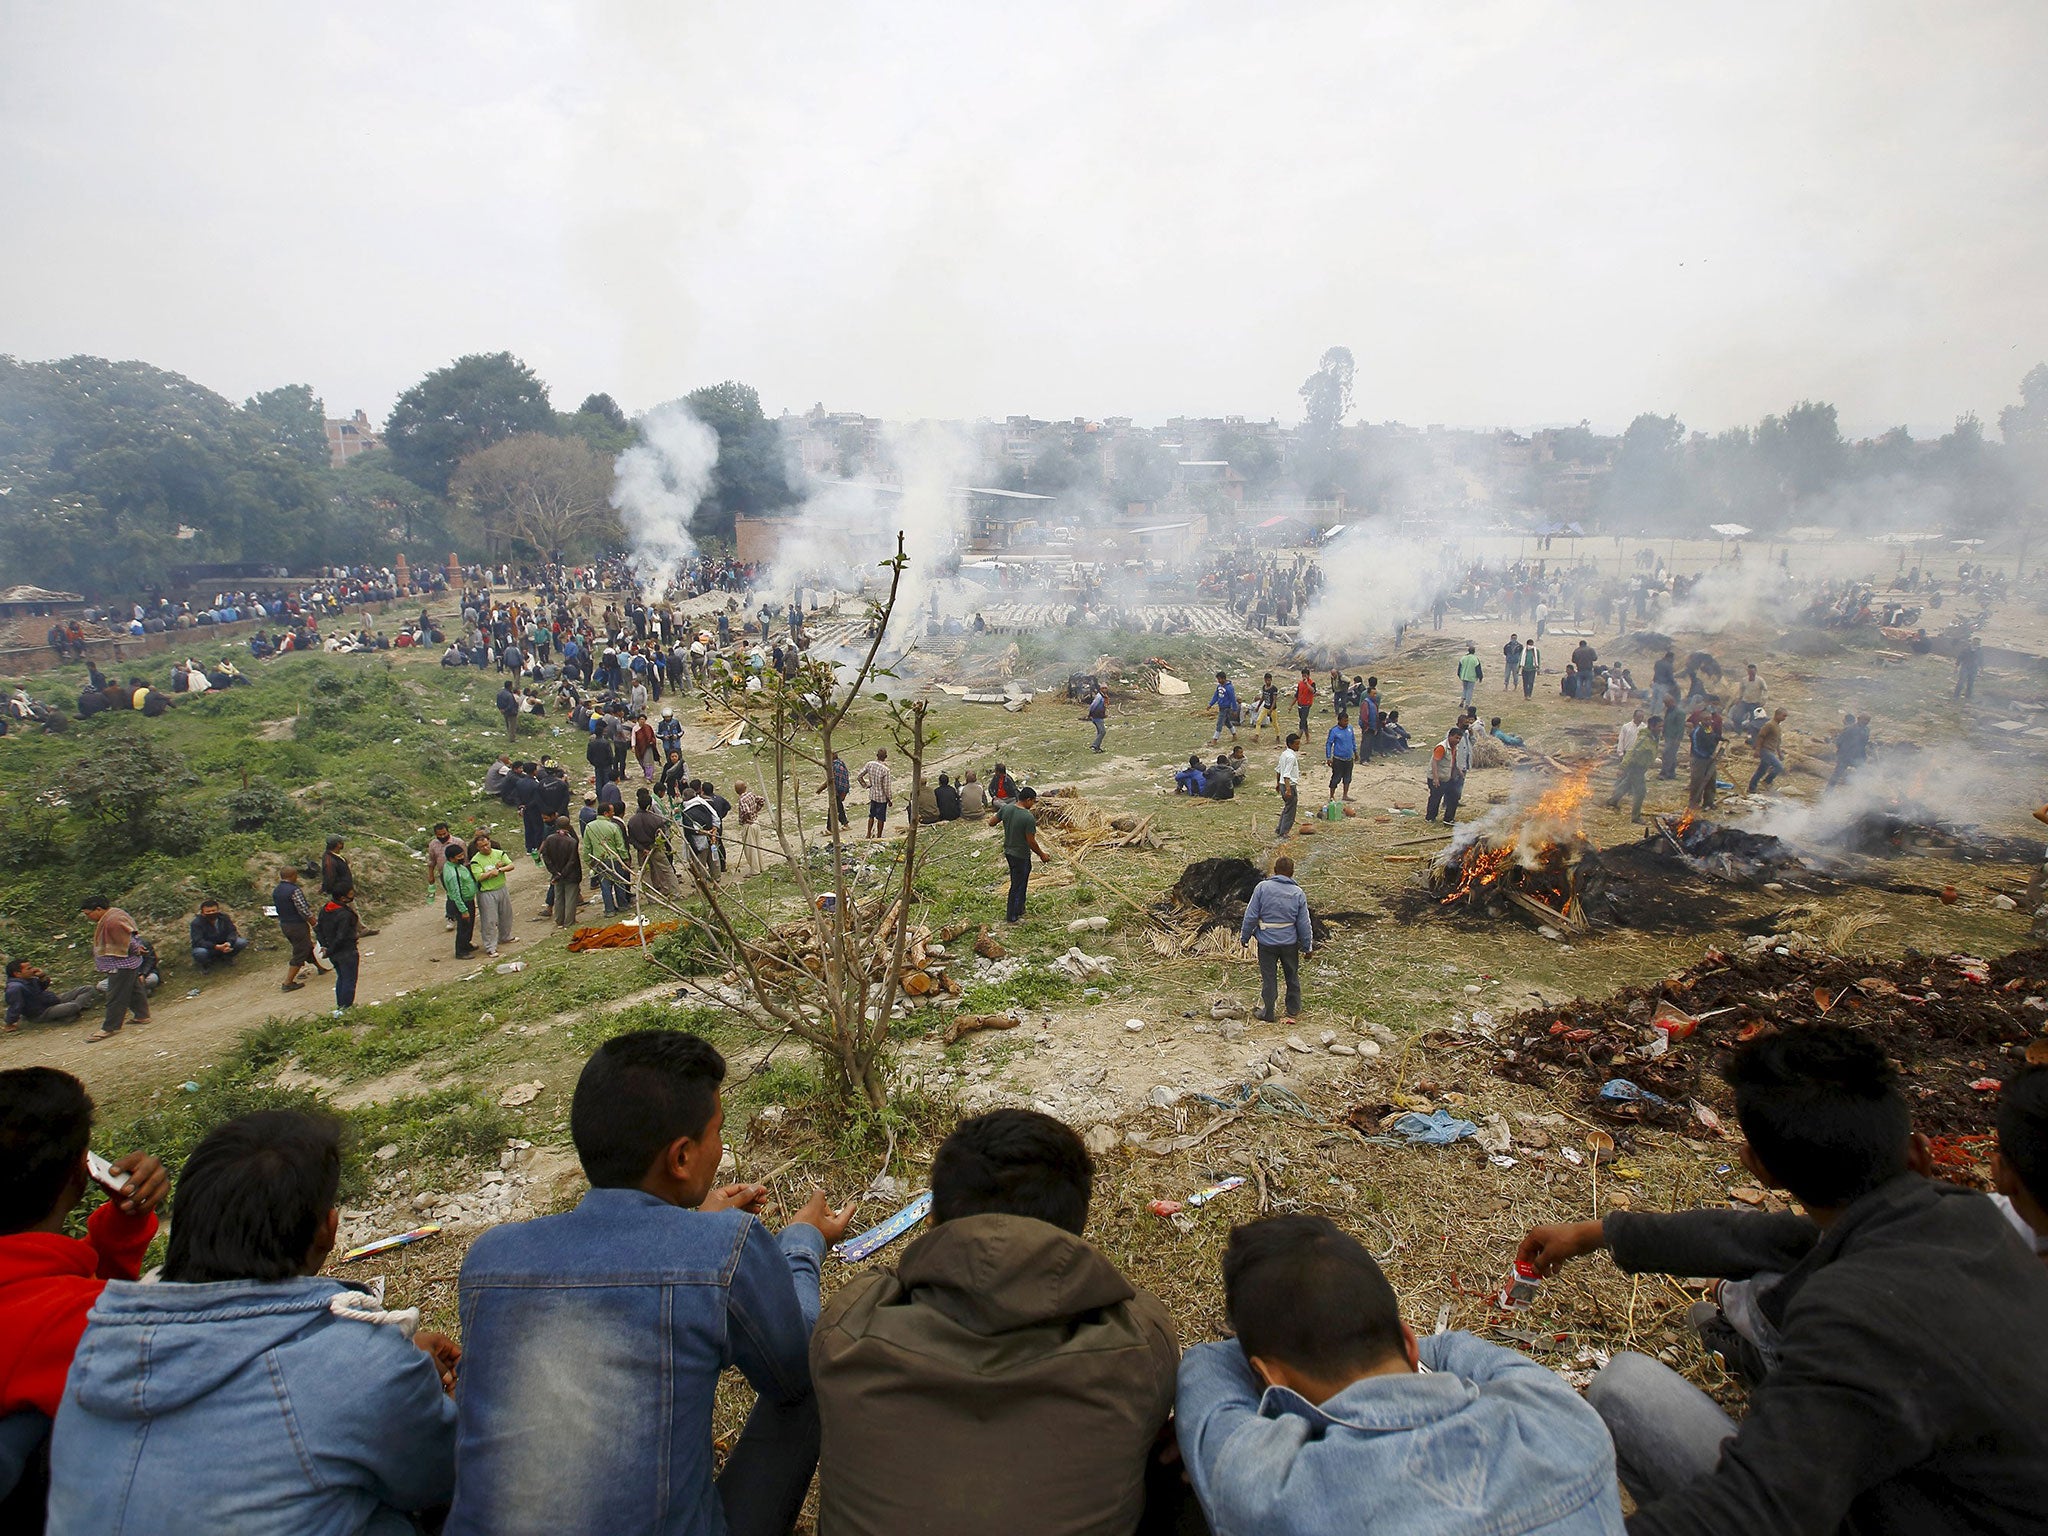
{"x":346,"y":439}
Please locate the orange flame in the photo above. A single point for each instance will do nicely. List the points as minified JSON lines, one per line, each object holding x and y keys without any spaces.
{"x":1554,"y":818}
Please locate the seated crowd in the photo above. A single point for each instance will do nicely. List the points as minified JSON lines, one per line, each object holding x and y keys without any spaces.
{"x":1002,"y":1375}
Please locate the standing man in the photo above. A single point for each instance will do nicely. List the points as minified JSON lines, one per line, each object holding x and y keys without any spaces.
{"x":1512,"y":654}
{"x":1020,"y":842}
{"x":1098,"y":716}
{"x":459,"y":880}
{"x":1770,"y":752}
{"x":437,"y":855}
{"x":1674,"y":732}
{"x":295,"y":922}
{"x":1287,"y":782}
{"x":118,"y":954}
{"x":644,"y":829}
{"x":1304,"y":699}
{"x":508,"y":706}
{"x":338,"y":928}
{"x":840,"y":783}
{"x":1532,"y":660}
{"x":1752,"y":696}
{"x":1340,"y":751}
{"x":1469,"y":672}
{"x":1706,"y":747}
{"x":1268,"y":711}
{"x":1968,"y":664}
{"x":604,"y":853}
{"x":561,"y":855}
{"x":1277,"y":916}
{"x":1446,"y":777}
{"x":874,"y":778}
{"x":1224,"y":701}
{"x":492,"y":867}
{"x":1634,"y":778}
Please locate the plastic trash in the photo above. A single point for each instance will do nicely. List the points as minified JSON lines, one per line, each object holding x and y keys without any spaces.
{"x":1619,"y":1090}
{"x":511,"y":966}
{"x":1439,"y":1128}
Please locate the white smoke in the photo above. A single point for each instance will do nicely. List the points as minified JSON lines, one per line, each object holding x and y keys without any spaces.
{"x":839,"y":539}
{"x":1374,"y":580}
{"x":1921,"y":786}
{"x":657,"y":486}
{"x":1732,"y":596}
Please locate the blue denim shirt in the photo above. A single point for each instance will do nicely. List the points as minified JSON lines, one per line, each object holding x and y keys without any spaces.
{"x":592,"y":1344}
{"x":1488,"y":1443}
{"x":265,"y":1408}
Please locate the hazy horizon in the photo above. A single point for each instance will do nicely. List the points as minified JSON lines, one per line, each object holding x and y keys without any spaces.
{"x":1514,"y":214}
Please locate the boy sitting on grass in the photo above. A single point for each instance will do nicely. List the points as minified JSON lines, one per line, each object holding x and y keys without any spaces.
{"x":1895,"y":1332}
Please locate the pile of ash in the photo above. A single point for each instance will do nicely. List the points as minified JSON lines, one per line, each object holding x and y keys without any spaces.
{"x":1950,"y":1022}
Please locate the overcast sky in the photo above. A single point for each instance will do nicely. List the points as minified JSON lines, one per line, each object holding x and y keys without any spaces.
{"x":1512,"y":213}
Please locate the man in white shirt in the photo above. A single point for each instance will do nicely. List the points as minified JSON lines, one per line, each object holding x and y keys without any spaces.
{"x":1287,"y":781}
{"x":1630,"y":730}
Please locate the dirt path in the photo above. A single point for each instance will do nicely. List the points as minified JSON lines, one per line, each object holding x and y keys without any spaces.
{"x":411,"y":950}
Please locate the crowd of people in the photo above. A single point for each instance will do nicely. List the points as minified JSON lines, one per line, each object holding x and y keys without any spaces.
{"x":1003,"y":1374}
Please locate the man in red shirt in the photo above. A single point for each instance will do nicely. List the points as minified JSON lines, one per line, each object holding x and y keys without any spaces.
{"x":48,"y":1282}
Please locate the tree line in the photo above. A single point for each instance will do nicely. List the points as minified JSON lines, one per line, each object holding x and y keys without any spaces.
{"x":113,"y":474}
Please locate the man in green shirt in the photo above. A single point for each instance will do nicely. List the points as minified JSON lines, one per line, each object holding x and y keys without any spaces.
{"x":1469,"y":670}
{"x":1020,"y":841}
{"x":604,"y":849}
{"x":490,"y":864}
{"x":459,"y":882}
{"x":1532,"y":661}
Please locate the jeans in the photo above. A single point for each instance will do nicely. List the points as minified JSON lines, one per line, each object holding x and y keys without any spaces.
{"x":1445,"y":796}
{"x":345,"y":978}
{"x":1666,"y":1430}
{"x":615,"y":888}
{"x":494,"y":917}
{"x":1669,"y":768}
{"x":1768,"y":766}
{"x":126,"y":994}
{"x":1302,"y":711}
{"x":1528,"y":681}
{"x":1287,"y":805}
{"x":1275,"y":960}
{"x":1101,"y":730}
{"x":1466,"y":689}
{"x":205,"y":957}
{"x":465,"y":934}
{"x":1020,"y":880}
{"x":1966,"y":685}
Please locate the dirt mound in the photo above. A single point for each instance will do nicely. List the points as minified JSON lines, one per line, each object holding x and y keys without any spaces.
{"x":1949,"y":1021}
{"x":1215,"y":883}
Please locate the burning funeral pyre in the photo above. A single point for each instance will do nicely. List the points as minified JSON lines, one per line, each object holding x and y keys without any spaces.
{"x":1539,"y":865}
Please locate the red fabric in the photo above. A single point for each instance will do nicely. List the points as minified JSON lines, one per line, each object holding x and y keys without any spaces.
{"x":48,"y":1282}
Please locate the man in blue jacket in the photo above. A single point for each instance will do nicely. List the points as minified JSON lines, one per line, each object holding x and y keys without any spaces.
{"x":1277,"y":916}
{"x":1314,"y":1420}
{"x":1340,"y":751}
{"x":1224,"y":702}
{"x":245,"y":1392}
{"x":595,"y":1339}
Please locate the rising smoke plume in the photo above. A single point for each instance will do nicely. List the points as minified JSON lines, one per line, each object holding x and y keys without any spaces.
{"x":657,"y":486}
{"x":1373,"y":580}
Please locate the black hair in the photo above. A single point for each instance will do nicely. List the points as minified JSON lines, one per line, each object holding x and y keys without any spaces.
{"x":334,"y":842}
{"x":95,"y":904}
{"x":1013,"y":1162}
{"x":646,"y":798}
{"x":1301,"y":1291}
{"x":1822,"y":1109}
{"x":252,"y":1196}
{"x":1026,"y":793}
{"x":638,"y":1093}
{"x":2023,"y":1128}
{"x":17,"y":967}
{"x":45,"y":1124}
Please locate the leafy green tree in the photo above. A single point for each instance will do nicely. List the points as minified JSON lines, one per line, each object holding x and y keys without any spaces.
{"x":1326,"y":400}
{"x":1139,"y":470}
{"x":600,"y":423}
{"x":452,"y":412}
{"x":122,"y":789}
{"x":368,"y":499}
{"x":752,"y":475}
{"x":1250,"y":452}
{"x":1804,"y":449}
{"x":293,"y":419}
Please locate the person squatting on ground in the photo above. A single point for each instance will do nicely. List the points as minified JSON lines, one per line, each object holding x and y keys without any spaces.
{"x":1892,"y":1336}
{"x":1277,"y":916}
{"x":214,"y":940}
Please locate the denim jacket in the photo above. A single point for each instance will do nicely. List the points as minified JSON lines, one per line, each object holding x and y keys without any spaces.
{"x":265,"y":1408}
{"x":1487,"y":1443}
{"x":592,"y":1345}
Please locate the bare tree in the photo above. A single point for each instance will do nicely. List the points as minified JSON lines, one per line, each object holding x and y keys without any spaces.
{"x":831,"y":974}
{"x":537,"y":489}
